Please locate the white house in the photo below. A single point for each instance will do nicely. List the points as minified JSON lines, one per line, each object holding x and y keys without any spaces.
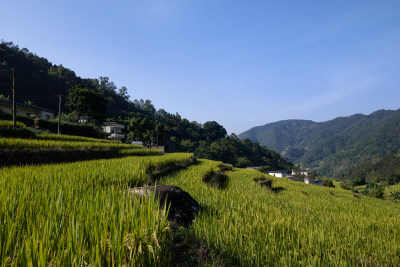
{"x":114,"y":129}
{"x":279,"y":174}
{"x":27,"y":110}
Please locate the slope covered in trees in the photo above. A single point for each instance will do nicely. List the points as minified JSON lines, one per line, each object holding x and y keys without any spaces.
{"x":333,"y":146}
{"x":40,"y":82}
{"x":381,"y":169}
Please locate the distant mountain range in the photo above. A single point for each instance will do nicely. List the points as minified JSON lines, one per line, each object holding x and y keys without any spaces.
{"x":333,"y":146}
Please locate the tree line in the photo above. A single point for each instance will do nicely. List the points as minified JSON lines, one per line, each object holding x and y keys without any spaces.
{"x":98,"y":100}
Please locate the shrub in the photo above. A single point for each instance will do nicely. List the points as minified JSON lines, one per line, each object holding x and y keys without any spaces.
{"x":216,"y":179}
{"x":374,"y":190}
{"x":225,"y":167}
{"x":346,"y":185}
{"x":265,"y":169}
{"x":263,"y":182}
{"x":394,"y":195}
{"x":327,"y":182}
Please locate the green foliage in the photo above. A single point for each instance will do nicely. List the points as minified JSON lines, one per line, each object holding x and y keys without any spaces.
{"x":265,"y":169}
{"x":394,"y":195}
{"x":86,"y":104}
{"x":213,"y":131}
{"x":34,"y":73}
{"x":358,"y":180}
{"x":374,"y":190}
{"x":263,"y":182}
{"x":393,"y":178}
{"x":327,"y":182}
{"x":144,"y":129}
{"x":225,"y":167}
{"x":241,"y":153}
{"x":379,"y":167}
{"x":347,"y":185}
{"x":217,"y":179}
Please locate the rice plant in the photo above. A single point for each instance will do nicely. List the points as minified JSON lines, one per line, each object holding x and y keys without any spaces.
{"x":20,"y":143}
{"x":64,"y":137}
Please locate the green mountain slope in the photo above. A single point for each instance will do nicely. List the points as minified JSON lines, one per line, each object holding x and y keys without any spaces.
{"x":335,"y":145}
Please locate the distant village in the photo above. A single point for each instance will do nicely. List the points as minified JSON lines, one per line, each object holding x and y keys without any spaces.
{"x":294,"y":175}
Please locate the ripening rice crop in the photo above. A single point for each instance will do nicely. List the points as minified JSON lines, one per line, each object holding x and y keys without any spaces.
{"x":291,"y":225}
{"x":82,"y":214}
{"x":9,"y":124}
{"x":19,"y":143}
{"x":64,"y":137}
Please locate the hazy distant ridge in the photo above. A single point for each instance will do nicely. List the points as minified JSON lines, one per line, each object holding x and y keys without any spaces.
{"x":334,"y":145}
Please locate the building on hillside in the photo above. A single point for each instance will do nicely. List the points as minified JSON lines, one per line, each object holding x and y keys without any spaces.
{"x":114,"y":129}
{"x":279,"y":174}
{"x":314,"y":182}
{"x":27,"y":110}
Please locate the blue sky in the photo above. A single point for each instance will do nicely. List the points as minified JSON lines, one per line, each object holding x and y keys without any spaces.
{"x":240,"y":63}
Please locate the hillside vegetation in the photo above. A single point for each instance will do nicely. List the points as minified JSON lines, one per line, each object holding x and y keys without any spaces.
{"x":333,"y":146}
{"x":40,"y":81}
{"x":378,"y":169}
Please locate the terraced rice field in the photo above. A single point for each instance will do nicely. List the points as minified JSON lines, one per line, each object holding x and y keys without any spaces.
{"x":294,"y":224}
{"x":82,"y":214}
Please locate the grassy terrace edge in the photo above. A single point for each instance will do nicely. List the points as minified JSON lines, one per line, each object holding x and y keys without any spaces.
{"x":19,"y":151}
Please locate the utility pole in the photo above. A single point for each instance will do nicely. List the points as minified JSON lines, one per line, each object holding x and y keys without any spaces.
{"x":59,"y":113}
{"x":157,"y":135}
{"x":14,"y":103}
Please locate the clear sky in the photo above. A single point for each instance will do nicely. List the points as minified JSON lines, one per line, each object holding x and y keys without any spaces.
{"x":240,"y":63}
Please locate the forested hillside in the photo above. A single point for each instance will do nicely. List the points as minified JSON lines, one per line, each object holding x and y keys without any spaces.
{"x":39,"y":82}
{"x":381,"y":169}
{"x":333,"y":146}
